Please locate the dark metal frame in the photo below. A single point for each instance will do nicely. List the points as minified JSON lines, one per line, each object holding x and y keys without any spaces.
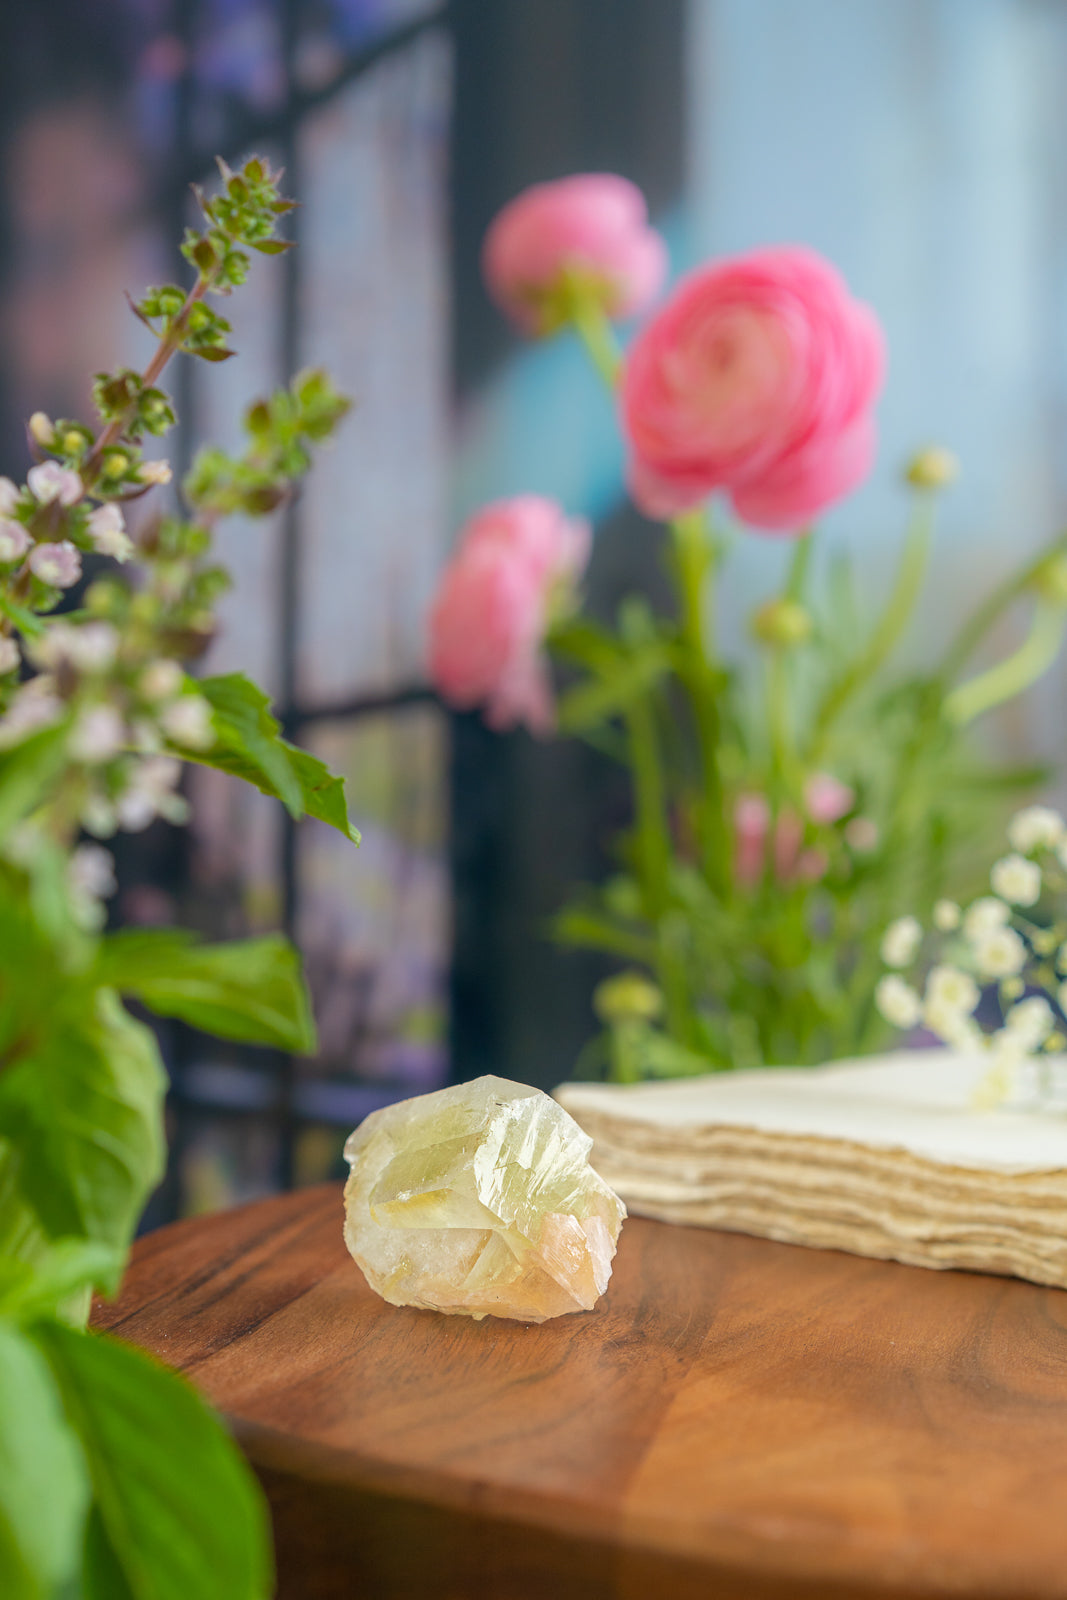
{"x":269,"y":1085}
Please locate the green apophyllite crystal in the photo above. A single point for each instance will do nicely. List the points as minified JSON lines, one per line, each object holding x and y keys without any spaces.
{"x":480,"y":1200}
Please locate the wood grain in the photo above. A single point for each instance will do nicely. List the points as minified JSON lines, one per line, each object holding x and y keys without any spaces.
{"x":737,"y":1418}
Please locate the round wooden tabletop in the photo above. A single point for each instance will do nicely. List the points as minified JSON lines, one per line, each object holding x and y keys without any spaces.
{"x":736,"y":1418}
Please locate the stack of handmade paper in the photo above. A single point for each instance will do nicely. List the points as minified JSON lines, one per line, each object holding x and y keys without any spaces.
{"x":883,"y":1157}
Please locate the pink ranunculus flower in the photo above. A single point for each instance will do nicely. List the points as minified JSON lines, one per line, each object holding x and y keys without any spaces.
{"x":593,"y":227}
{"x":517,"y":561}
{"x":758,"y":378}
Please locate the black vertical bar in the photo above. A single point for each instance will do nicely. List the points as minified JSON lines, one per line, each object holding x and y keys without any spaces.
{"x":288,"y":618}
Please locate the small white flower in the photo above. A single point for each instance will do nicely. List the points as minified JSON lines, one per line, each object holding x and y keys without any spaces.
{"x":59,"y":564}
{"x":1017,"y":880}
{"x":98,"y":735}
{"x":983,"y":916}
{"x":946,"y":915}
{"x":1030,"y":1022}
{"x":33,"y":706}
{"x":901,"y":941}
{"x":1035,"y":828}
{"x":999,"y":953}
{"x":187,"y":721}
{"x":161,"y":680}
{"x":98,"y":816}
{"x":92,"y":871}
{"x":107,"y":530}
{"x":155,"y":472}
{"x":861,"y":835}
{"x":50,"y":482}
{"x":41,"y":429}
{"x":952,"y":1027}
{"x":9,"y":496}
{"x":952,"y":988}
{"x":10,"y":659}
{"x":897,"y":1001}
{"x":14,"y":540}
{"x":151,"y":794}
{"x":90,"y":646}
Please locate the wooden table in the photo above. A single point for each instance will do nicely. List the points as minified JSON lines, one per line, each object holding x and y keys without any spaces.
{"x":737,"y":1418}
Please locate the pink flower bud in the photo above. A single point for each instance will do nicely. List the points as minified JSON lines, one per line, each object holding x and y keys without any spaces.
{"x":758,"y":377}
{"x":591,"y":230}
{"x":827,"y":799}
{"x":50,"y":482}
{"x":752,"y":821}
{"x":516,"y":560}
{"x":59,"y":564}
{"x":14,"y":540}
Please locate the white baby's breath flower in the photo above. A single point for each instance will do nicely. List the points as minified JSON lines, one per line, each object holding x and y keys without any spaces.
{"x":161,"y":680}
{"x":9,"y":496}
{"x":951,"y":1025}
{"x":901,"y":941}
{"x":107,"y":530}
{"x":951,"y":987}
{"x":50,"y":482}
{"x":187,"y":721}
{"x":92,"y":871}
{"x":1017,"y":880}
{"x":984,"y":915}
{"x":999,"y":953}
{"x":98,"y":735}
{"x":1030,"y":1022}
{"x":1035,"y":828}
{"x":14,"y":540}
{"x":10,"y":659}
{"x":897,"y":1001}
{"x":946,"y":915}
{"x":154,"y":472}
{"x":98,"y":816}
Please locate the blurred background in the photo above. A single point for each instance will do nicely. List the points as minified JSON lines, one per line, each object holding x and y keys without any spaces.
{"x":921,"y":144}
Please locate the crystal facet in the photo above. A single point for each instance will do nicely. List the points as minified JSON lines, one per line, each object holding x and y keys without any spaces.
{"x":479,"y":1200}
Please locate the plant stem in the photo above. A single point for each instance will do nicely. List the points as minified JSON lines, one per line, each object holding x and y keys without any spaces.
{"x":893,"y":621}
{"x":597,"y":334}
{"x":653,"y":856}
{"x":694,"y":562}
{"x":799,"y":565}
{"x":1011,"y":676}
{"x":975,"y":628}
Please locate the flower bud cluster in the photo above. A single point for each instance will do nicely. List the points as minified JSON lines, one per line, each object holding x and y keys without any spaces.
{"x":1011,"y":944}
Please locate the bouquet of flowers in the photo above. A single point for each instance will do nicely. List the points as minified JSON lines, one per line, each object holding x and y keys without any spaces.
{"x":999,"y":963}
{"x":784,"y":810}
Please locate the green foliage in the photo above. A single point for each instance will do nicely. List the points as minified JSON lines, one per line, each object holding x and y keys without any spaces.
{"x":252,"y":989}
{"x":249,"y":745}
{"x":116,"y":1482}
{"x":156,"y":1460}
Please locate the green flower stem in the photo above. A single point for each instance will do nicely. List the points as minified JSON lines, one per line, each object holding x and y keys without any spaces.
{"x":891,"y":625}
{"x":1016,"y":673}
{"x":653,"y":856}
{"x":779,"y":724}
{"x":799,"y":566}
{"x":694,"y":565}
{"x":595,"y":331}
{"x":975,"y":629}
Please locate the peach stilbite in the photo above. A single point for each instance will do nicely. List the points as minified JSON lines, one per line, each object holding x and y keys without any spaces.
{"x":758,"y":378}
{"x":589,"y":232}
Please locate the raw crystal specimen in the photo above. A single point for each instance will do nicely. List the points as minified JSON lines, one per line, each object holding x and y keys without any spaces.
{"x":479,"y":1200}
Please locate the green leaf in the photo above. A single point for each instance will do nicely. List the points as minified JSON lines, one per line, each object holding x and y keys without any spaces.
{"x":83,"y":1103}
{"x":27,"y":773}
{"x":249,"y":746}
{"x":44,"y":1487}
{"x":177,"y":1512}
{"x":590,"y":703}
{"x":252,"y":989}
{"x":68,"y":1267}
